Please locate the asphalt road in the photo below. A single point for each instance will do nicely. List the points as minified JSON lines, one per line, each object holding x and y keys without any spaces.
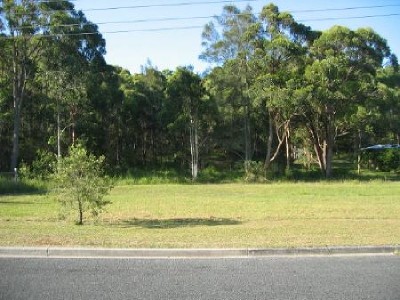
{"x":320,"y":277}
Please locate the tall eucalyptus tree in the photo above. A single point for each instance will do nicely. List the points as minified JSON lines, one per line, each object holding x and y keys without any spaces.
{"x":341,"y":75}
{"x":72,"y":45}
{"x":231,"y":49}
{"x":279,"y":61}
{"x":20,"y":24}
{"x":43,"y":36}
{"x":386,"y":128}
{"x":185,"y":90}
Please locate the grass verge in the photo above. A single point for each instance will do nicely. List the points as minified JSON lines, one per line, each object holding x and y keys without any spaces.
{"x":213,"y":216}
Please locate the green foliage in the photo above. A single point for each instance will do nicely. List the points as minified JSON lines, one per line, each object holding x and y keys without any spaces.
{"x":141,"y":176}
{"x":277,"y":86}
{"x":388,"y":160}
{"x":210,"y":174}
{"x":41,"y":168}
{"x":80,"y":182}
{"x":44,"y":164}
{"x":8,"y":186}
{"x":254,"y":172}
{"x":214,"y":216}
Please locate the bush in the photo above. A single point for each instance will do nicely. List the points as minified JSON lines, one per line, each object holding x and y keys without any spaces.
{"x":143,"y":176}
{"x":81,"y":183}
{"x":42,"y":167}
{"x":24,"y":186}
{"x":210,"y":175}
{"x":44,"y":164}
{"x":255,"y":172}
{"x":388,"y":160}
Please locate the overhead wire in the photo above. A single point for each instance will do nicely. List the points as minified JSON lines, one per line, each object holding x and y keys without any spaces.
{"x":163,"y":29}
{"x":343,"y":8}
{"x":178,"y":4}
{"x":169,"y":5}
{"x":349,"y":18}
{"x":207,"y":17}
{"x":222,"y":1}
{"x":128,"y":21}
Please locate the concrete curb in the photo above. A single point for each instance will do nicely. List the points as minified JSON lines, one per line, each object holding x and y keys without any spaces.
{"x":54,"y":252}
{"x":328,"y":250}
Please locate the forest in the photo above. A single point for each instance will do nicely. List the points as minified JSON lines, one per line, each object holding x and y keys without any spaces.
{"x":278,"y":95}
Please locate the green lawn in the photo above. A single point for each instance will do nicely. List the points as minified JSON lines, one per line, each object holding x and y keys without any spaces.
{"x":210,"y":216}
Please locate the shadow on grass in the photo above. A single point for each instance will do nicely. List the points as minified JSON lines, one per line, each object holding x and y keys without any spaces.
{"x":15,"y":203}
{"x":10,"y":187}
{"x":176,"y":223}
{"x":342,"y":171}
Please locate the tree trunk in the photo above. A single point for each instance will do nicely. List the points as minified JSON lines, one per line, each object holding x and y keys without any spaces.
{"x":283,"y":137}
{"x":58,"y":134}
{"x":318,"y":149}
{"x":16,"y":130}
{"x":269,"y":142}
{"x":287,"y":149}
{"x":320,"y":152}
{"x":19,"y":82}
{"x":247,"y":137}
{"x":73,"y":136}
{"x":144,"y":149}
{"x":194,"y":149}
{"x":329,"y":159}
{"x":80,"y":207}
{"x":358,"y":151}
{"x":330,"y":141}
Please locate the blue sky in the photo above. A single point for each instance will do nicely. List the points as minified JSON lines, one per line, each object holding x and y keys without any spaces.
{"x":167,"y":49}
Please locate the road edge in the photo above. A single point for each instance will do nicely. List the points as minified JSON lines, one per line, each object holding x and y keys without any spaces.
{"x":54,"y":252}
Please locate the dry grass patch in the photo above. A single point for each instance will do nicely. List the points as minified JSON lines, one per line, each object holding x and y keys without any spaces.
{"x":211,"y":216}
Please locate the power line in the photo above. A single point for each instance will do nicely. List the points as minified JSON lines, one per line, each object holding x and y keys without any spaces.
{"x":208,"y":17}
{"x":163,"y":29}
{"x":205,"y":17}
{"x":344,"y":8}
{"x":231,"y":1}
{"x":128,"y":21}
{"x":197,"y":27}
{"x":55,"y":1}
{"x":223,"y":1}
{"x":131,"y":31}
{"x":169,"y":5}
{"x":349,"y":18}
{"x":179,"y":4}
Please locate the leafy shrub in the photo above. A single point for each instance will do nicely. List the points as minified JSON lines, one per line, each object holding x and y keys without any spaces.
{"x":210,"y":175}
{"x":255,"y":172}
{"x":81,"y":183}
{"x":143,"y":176}
{"x":42,"y":167}
{"x":388,"y":160}
{"x":44,"y":164}
{"x":23,"y":186}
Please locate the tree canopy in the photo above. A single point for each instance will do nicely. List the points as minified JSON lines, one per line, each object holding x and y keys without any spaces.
{"x":277,"y":91}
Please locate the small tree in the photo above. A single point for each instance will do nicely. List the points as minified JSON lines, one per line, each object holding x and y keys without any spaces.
{"x":80,"y":182}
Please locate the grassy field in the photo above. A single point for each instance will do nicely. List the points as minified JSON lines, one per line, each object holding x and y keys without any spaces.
{"x":210,"y":216}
